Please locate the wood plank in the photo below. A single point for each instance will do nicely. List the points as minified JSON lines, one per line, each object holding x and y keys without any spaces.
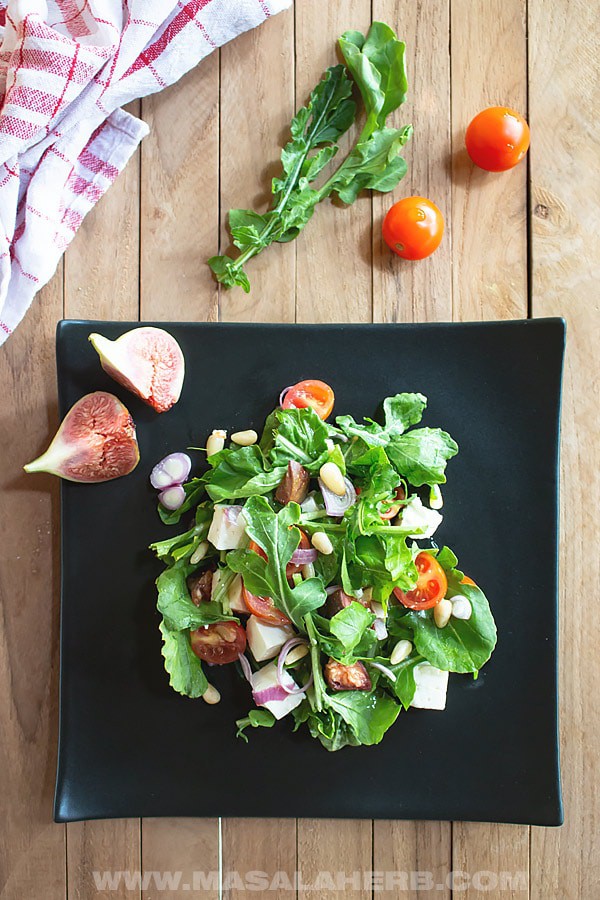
{"x":489,"y":237}
{"x":32,"y":848}
{"x":257,"y":104}
{"x":420,"y":291}
{"x":563,"y":95}
{"x":102,"y":282}
{"x":181,"y":852}
{"x":333,"y":284}
{"x":179,"y":224}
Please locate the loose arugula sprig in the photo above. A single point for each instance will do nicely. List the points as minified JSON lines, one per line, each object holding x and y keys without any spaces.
{"x":376,"y":64}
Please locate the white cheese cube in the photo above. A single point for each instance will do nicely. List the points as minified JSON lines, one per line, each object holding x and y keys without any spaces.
{"x":432,"y":685}
{"x":235,"y":596}
{"x":418,"y":521}
{"x":265,"y":641}
{"x":267,"y":678}
{"x":227,"y":528}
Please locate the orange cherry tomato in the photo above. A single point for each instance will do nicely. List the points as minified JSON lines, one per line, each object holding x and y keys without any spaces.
{"x":413,"y":228}
{"x":220,"y":643}
{"x":497,"y":139}
{"x":264,"y":608}
{"x":432,"y":584}
{"x":316,"y":394}
{"x":467,"y":580}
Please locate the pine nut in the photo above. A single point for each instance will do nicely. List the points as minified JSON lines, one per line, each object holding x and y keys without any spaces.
{"x":308,"y":570}
{"x":321,"y":542}
{"x":332,"y":478}
{"x":436,"y":501}
{"x":461,"y":607}
{"x":216,"y":442}
{"x":245,"y":438}
{"x":297,"y":653}
{"x":401,"y":651}
{"x":211,"y":695}
{"x":442,"y":613}
{"x":199,"y":553}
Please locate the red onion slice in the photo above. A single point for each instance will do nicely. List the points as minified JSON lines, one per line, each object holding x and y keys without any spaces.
{"x":277,"y":692}
{"x":332,"y":589}
{"x":232,"y":514}
{"x":302,"y":557}
{"x":173,"y":469}
{"x":284,"y":392}
{"x":334,"y":504}
{"x":246,"y":667}
{"x":295,"y":688}
{"x":172,"y":498}
{"x":384,"y":669}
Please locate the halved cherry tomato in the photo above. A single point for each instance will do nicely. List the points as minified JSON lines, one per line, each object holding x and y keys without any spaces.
{"x":220,"y":643}
{"x":432,"y":584}
{"x":390,"y":512}
{"x":264,"y":608}
{"x":413,"y":228}
{"x":497,"y":139}
{"x":467,"y":580}
{"x":290,"y":569}
{"x":316,"y":394}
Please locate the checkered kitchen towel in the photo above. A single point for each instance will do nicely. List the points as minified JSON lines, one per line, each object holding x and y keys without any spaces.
{"x":66,"y":68}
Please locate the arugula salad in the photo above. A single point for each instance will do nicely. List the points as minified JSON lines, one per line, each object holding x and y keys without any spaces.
{"x":309,"y":564}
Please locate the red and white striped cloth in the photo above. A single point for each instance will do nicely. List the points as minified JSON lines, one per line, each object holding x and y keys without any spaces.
{"x":66,"y":68}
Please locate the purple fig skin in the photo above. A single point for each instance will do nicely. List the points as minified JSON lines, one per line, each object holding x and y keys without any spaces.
{"x":147,"y":361}
{"x":95,"y":442}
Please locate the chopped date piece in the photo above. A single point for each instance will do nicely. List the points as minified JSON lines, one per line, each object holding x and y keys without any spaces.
{"x":200,"y":587}
{"x":347,"y":678}
{"x":294,"y":484}
{"x":340,"y":600}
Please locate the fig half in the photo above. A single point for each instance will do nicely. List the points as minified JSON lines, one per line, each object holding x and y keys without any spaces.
{"x":147,"y":361}
{"x":95,"y":442}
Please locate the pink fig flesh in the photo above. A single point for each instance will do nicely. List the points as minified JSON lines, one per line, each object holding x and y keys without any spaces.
{"x":95,"y":442}
{"x":147,"y":361}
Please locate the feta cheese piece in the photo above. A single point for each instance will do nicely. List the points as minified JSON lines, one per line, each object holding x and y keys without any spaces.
{"x":227,"y":528}
{"x":265,"y":641}
{"x":432,"y":685}
{"x":417,"y":520}
{"x":235,"y":596}
{"x":309,"y":504}
{"x":266,"y":678}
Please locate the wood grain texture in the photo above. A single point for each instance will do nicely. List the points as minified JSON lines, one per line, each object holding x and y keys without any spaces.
{"x":489,"y":245}
{"x":179,"y":220}
{"x":32,"y":848}
{"x":183,"y":852}
{"x":417,"y":291}
{"x":564,"y":93}
{"x":101,"y":281}
{"x":257,"y":104}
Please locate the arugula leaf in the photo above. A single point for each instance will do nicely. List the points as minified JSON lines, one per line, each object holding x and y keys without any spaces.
{"x":377,"y":66}
{"x":401,"y":411}
{"x":421,"y":455}
{"x":240,"y":473}
{"x":183,"y":666}
{"x":299,"y":435}
{"x":350,"y":624}
{"x":176,"y":606}
{"x":274,"y":532}
{"x":164,"y":549}
{"x":256,"y":718}
{"x":378,"y":480}
{"x":405,"y":686}
{"x":369,"y":715}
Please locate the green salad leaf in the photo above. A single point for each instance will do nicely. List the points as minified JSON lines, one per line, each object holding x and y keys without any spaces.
{"x":256,"y":718}
{"x":176,"y":606}
{"x":186,"y":675}
{"x":421,"y":455}
{"x":299,"y":435}
{"x":240,"y":473}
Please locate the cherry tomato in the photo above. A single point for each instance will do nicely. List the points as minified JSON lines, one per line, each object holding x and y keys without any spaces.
{"x":413,"y":228}
{"x":290,"y":569}
{"x":390,"y":512}
{"x":497,"y":139}
{"x":467,"y":580}
{"x":316,"y":394}
{"x":220,"y":643}
{"x":432,"y":584}
{"x":264,"y":608}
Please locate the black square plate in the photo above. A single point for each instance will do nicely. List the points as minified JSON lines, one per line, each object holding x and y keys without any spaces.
{"x":130,"y":746}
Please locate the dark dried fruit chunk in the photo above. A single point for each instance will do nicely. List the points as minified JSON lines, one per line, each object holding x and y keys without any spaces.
{"x":95,"y":442}
{"x":294,"y":484}
{"x":339,"y":600}
{"x":347,"y":678}
{"x":200,"y":587}
{"x":147,"y":361}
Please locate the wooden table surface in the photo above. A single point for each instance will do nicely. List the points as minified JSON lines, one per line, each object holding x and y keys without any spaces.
{"x":524,"y":243}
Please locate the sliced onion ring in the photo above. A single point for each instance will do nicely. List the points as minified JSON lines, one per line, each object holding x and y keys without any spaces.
{"x":334,"y":504}
{"x":277,"y":692}
{"x":246,"y":667}
{"x":173,"y":469}
{"x":172,"y":498}
{"x":301,"y":557}
{"x":289,"y":645}
{"x":384,"y":669}
{"x":284,"y":392}
{"x":332,"y":589}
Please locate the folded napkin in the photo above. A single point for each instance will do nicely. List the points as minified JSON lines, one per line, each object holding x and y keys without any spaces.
{"x":66,"y":68}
